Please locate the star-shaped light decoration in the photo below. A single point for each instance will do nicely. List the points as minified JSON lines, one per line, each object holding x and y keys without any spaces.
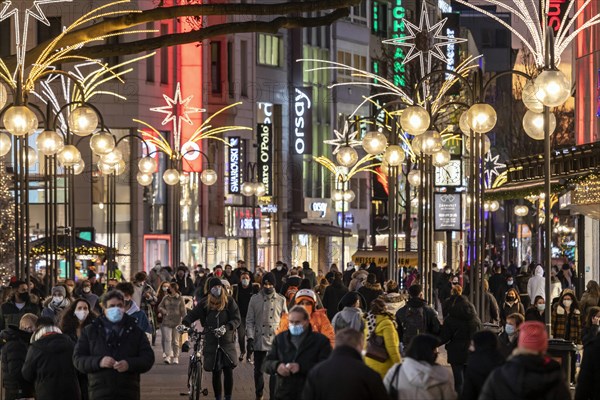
{"x":492,"y":168}
{"x":177,"y":110}
{"x":22,"y":10}
{"x":343,"y":138}
{"x":425,"y":41}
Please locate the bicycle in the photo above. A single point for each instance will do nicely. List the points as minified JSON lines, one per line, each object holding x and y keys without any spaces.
{"x":194,"y":381}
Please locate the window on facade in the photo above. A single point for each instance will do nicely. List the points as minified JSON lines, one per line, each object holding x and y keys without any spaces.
{"x":269,"y":50}
{"x":164,"y":56}
{"x":150,"y":60}
{"x":353,"y":60}
{"x":358,"y":14}
{"x":215,"y":67}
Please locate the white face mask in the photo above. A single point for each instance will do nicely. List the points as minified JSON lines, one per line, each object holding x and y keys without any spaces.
{"x":567,"y":303}
{"x":81,"y":314}
{"x":86,"y":289}
{"x":279,"y":267}
{"x":57,"y":299}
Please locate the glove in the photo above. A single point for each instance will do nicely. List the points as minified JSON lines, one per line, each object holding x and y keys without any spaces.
{"x":250,"y":345}
{"x":181,"y":328}
{"x":220,"y":331}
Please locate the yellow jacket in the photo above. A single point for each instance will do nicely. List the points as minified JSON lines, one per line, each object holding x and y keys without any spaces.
{"x":384,"y":326}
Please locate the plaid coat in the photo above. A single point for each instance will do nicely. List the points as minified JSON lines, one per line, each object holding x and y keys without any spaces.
{"x":559,"y":324}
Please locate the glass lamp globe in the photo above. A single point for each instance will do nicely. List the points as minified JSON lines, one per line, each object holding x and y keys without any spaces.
{"x":208,"y":177}
{"x":102,"y":143}
{"x":171,"y":176}
{"x":337,"y":195}
{"x":494,"y":206}
{"x":184,"y":179}
{"x":105,"y":168}
{"x":487,"y":144}
{"x":415,"y":120}
{"x":348,"y":195}
{"x":521,"y":211}
{"x":533,"y":124}
{"x":385,"y":168}
{"x":417,"y":144}
{"x":83,"y":120}
{"x":5,"y":144}
{"x":394,"y":155}
{"x":20,"y":120}
{"x":147,"y":165}
{"x":463,"y":124}
{"x":347,"y":156}
{"x":414,"y":177}
{"x":374,"y":142}
{"x":260,"y":189}
{"x":120,"y":167}
{"x":49,"y":143}
{"x":486,"y":206}
{"x":431,"y":142}
{"x":482,"y":117}
{"x":79,"y":167}
{"x":113,"y":157}
{"x":143,"y":179}
{"x":69,"y":156}
{"x":553,"y":88}
{"x":530,"y":99}
{"x":441,"y":158}
{"x":248,"y":189}
{"x":3,"y":96}
{"x":31,"y":157}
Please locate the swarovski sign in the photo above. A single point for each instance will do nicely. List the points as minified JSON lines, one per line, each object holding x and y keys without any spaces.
{"x":301,"y":140}
{"x":265,"y":157}
{"x":235,"y":164}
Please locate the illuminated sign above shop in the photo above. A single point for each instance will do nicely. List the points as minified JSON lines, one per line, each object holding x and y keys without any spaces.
{"x":398,"y":31}
{"x":301,"y":142}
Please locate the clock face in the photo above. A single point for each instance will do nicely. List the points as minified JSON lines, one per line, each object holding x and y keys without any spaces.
{"x":450,"y":175}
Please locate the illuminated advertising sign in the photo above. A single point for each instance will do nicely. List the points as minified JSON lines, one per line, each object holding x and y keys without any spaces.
{"x":398,"y":31}
{"x":235,"y":164}
{"x":448,"y":212}
{"x":301,"y":140}
{"x":556,"y":13}
{"x":265,"y":157}
{"x":451,"y":29}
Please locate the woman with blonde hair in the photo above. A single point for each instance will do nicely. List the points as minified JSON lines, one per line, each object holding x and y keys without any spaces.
{"x":220,"y":317}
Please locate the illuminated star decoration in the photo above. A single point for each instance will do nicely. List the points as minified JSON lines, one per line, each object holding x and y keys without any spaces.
{"x":343,"y":138}
{"x":177,"y":110}
{"x":22,"y":10}
{"x":492,"y":168}
{"x":424,"y":41}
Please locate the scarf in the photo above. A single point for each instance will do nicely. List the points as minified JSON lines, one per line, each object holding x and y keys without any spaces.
{"x":43,"y":331}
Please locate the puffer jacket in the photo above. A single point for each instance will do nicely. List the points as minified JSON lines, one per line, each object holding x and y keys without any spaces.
{"x":318,"y":321}
{"x":420,"y":380}
{"x":385,"y":326}
{"x":130,"y":345}
{"x":536,"y":284}
{"x":211,"y":320}
{"x":460,"y":325}
{"x":14,"y":350}
{"x":264,"y":315}
{"x":173,"y":310}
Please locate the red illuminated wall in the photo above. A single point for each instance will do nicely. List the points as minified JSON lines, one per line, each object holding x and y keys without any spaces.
{"x":587,"y":71}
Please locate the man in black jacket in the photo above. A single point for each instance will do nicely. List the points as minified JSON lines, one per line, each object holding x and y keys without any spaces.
{"x":18,"y":305}
{"x":333,"y":295}
{"x":242,"y":293}
{"x":113,"y":352}
{"x":15,"y":342}
{"x":294,"y":353}
{"x":344,"y":366}
{"x":280,"y":272}
{"x":416,"y":317}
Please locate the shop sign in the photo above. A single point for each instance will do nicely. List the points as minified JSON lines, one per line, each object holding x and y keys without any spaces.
{"x":235,"y":159}
{"x":268,"y":208}
{"x":380,"y":258}
{"x":349,"y":219}
{"x":556,"y":13}
{"x":319,"y":210}
{"x":398,"y":31}
{"x":265,"y":157}
{"x":247,"y":223}
{"x":301,"y":142}
{"x":319,"y":207}
{"x":447,"y":212}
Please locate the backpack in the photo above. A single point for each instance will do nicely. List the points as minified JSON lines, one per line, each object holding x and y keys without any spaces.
{"x":290,"y":294}
{"x":413,"y":324}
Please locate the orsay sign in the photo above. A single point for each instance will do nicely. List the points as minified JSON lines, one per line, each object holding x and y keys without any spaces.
{"x":301,"y":142}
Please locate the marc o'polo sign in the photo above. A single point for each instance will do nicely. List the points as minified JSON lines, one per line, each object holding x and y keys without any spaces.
{"x":447,"y":212}
{"x":265,"y":156}
{"x":301,"y":138}
{"x":235,"y":164}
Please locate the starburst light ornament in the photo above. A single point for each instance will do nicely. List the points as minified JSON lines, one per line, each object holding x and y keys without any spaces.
{"x":177,"y":111}
{"x":344,"y":138}
{"x":492,"y":168}
{"x":425,"y":41}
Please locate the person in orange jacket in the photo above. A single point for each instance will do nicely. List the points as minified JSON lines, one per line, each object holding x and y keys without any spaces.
{"x":318,"y":318}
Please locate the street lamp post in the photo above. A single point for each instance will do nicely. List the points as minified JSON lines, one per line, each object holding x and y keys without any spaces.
{"x":253,"y":188}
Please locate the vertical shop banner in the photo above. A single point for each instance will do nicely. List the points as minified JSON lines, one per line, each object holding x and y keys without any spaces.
{"x":234,"y":159}
{"x":301,"y":138}
{"x":557,"y":14}
{"x":265,"y":156}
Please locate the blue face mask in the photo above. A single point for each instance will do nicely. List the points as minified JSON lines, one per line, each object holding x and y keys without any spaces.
{"x":296,"y":330}
{"x":114,"y":314}
{"x":509,"y":329}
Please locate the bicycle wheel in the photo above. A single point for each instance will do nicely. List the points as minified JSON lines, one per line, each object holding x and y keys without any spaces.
{"x":195,"y":382}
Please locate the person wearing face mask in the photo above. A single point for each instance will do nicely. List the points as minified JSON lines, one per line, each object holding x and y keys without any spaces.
{"x":509,"y":338}
{"x":133,"y":309}
{"x":55,"y":305}
{"x":162,"y":293}
{"x":537,"y":311}
{"x":242,"y":293}
{"x":566,"y":322}
{"x":91,"y":298}
{"x":263,"y":317}
{"x":113,"y":351}
{"x":17,"y":305}
{"x":172,"y":308}
{"x":16,"y":342}
{"x":184,"y":281}
{"x":512,"y":304}
{"x":200,"y":278}
{"x":220,"y":317}
{"x":280,"y":273}
{"x":294,"y":353}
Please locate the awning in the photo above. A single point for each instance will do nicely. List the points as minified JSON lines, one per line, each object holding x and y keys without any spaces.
{"x":321,"y":230}
{"x":380,"y":258}
{"x":82,"y":247}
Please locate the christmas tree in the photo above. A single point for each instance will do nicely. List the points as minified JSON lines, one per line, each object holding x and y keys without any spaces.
{"x":7,"y":227}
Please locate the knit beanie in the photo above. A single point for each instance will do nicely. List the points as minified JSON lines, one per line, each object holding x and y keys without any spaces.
{"x":214,"y":282}
{"x":60,"y":289}
{"x":43,"y":331}
{"x":268,"y":278}
{"x":533,"y":336}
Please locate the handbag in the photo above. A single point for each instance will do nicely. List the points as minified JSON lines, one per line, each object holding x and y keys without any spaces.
{"x":376,"y":348}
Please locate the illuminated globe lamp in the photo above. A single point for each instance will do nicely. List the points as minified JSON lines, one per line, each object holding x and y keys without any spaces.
{"x":20,"y":120}
{"x":494,"y":206}
{"x":415,"y":120}
{"x":104,"y":168}
{"x":463,"y":124}
{"x":414,"y":178}
{"x":394,"y":155}
{"x":521,"y":211}
{"x":113,"y":157}
{"x":487,"y":144}
{"x":143,"y":178}
{"x":119,"y":168}
{"x":482,"y":117}
{"x":68,"y":156}
{"x":431,"y":142}
{"x":79,"y":167}
{"x":259,"y":189}
{"x":348,"y":196}
{"x":553,"y":88}
{"x":171,"y":176}
{"x":208,"y":177}
{"x":374,"y":142}
{"x":533,"y":124}
{"x":3,"y":96}
{"x":248,"y":189}
{"x":441,"y":158}
{"x":417,"y":144}
{"x":5,"y":144}
{"x":184,"y":179}
{"x":147,"y":165}
{"x":49,"y":143}
{"x":347,"y":156}
{"x":337,"y":195}
{"x":83,"y":121}
{"x":102,"y":143}
{"x":530,"y":99}
{"x":31,"y":157}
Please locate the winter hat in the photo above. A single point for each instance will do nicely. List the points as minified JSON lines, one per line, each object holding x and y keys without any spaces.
{"x":43,"y":331}
{"x":533,"y":336}
{"x":306,"y":294}
{"x":268,"y":278}
{"x":349,"y":299}
{"x":372,"y":278}
{"x":60,"y":289}
{"x":214,"y":282}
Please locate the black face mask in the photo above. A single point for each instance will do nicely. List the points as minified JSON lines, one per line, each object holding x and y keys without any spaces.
{"x":24,"y":297}
{"x":511,"y":298}
{"x":269,"y":290}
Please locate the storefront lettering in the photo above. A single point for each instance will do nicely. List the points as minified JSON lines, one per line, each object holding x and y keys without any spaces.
{"x":302,"y":104}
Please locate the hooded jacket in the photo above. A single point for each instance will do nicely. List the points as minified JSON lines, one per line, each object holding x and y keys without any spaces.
{"x":332,"y":297}
{"x":420,"y":380}
{"x":535,"y":286}
{"x":480,"y":365}
{"x":318,"y":322}
{"x":432,"y":323}
{"x":460,"y":325}
{"x":172,"y":309}
{"x":140,"y":317}
{"x":370,"y":291}
{"x":14,"y":350}
{"x":358,"y":280}
{"x":349,"y":317}
{"x":526,"y":377}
